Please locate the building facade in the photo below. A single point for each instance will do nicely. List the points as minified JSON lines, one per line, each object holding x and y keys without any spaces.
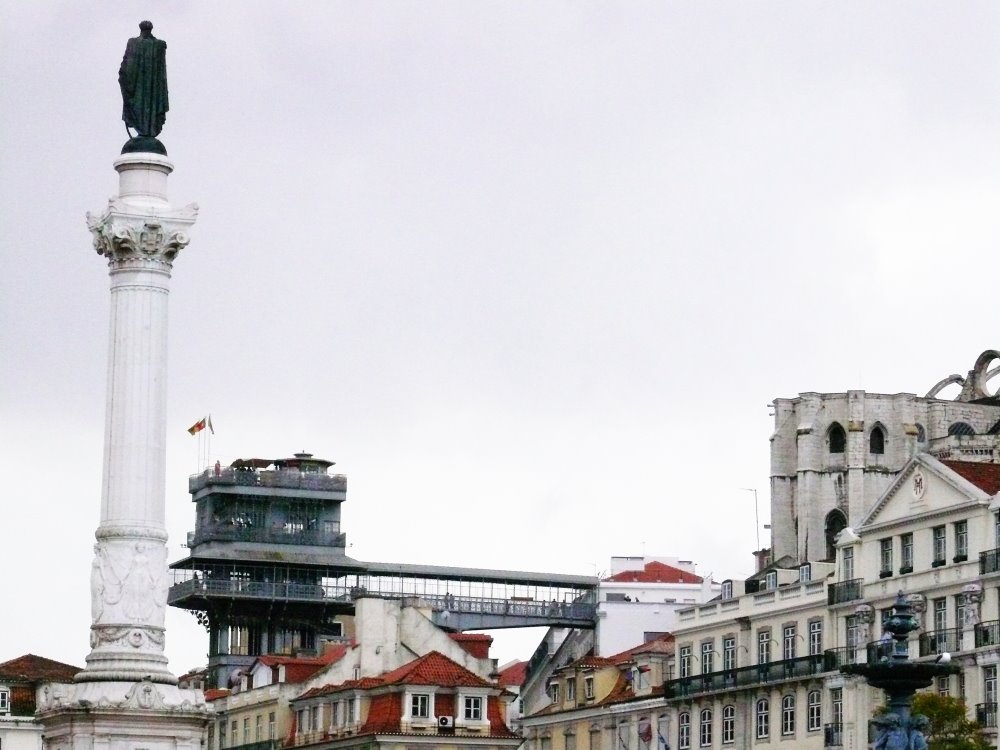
{"x":833,"y":454}
{"x":604,"y":703}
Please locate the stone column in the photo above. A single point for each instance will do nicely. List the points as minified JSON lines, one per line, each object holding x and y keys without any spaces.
{"x":126,"y":696}
{"x":140,"y":234}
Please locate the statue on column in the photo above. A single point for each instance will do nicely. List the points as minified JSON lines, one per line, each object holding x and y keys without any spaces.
{"x":143,"y":81}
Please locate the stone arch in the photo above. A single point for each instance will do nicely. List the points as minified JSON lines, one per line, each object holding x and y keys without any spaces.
{"x":835,"y":522}
{"x":876,"y":439}
{"x":836,"y":438}
{"x":961,"y":428}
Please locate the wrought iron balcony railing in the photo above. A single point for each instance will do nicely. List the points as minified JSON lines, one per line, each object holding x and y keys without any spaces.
{"x":845,"y":591}
{"x":988,"y":633}
{"x":940,"y":641}
{"x":986,"y":715}
{"x":750,"y":676}
{"x":989,"y":561}
{"x":833,"y":735}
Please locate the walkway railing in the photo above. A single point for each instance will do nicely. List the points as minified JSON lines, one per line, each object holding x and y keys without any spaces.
{"x":312,"y":537}
{"x":583,"y":611}
{"x":288,"y":478}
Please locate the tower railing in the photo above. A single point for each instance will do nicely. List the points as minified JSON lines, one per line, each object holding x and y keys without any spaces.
{"x":286,"y":478}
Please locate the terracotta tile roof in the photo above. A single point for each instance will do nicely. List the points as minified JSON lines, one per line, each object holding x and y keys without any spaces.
{"x":588,"y":662}
{"x":216,"y":693}
{"x":384,"y":713}
{"x":985,"y":476}
{"x":662,"y":645}
{"x":301,"y":668}
{"x":365,"y":683}
{"x":655,"y":572}
{"x":475,"y":644}
{"x":31,"y":668}
{"x":513,"y":675}
{"x":434,"y":668}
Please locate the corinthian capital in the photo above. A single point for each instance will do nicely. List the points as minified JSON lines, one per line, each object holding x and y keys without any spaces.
{"x":122,"y":233}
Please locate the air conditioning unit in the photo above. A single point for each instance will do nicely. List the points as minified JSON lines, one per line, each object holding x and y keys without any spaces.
{"x":446,"y":722}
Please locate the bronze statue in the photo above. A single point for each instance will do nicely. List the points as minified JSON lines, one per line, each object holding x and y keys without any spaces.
{"x":143,"y":81}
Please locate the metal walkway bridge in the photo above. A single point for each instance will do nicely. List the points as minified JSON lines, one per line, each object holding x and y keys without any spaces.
{"x":460,"y":599}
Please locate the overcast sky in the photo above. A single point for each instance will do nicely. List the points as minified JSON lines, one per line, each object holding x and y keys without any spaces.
{"x":529,"y":272}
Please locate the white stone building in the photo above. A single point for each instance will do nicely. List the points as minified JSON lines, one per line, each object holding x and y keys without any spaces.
{"x":833,"y":454}
{"x":638,"y":600}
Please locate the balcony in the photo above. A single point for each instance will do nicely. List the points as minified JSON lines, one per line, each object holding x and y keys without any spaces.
{"x":988,"y":633}
{"x":229,"y":533}
{"x":833,"y":735}
{"x":986,"y":715}
{"x":745,"y":677}
{"x":284,"y":478}
{"x":940,"y":641}
{"x":989,"y":561}
{"x":845,"y":591}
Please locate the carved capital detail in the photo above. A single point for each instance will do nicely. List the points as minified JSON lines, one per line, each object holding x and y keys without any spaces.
{"x":124,"y":233}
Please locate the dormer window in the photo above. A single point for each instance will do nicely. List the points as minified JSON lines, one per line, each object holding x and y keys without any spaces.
{"x":588,"y":688}
{"x":805,"y":573}
{"x":4,"y":701}
{"x":554,"y":692}
{"x":727,"y":589}
{"x":571,"y":689}
{"x":771,"y":580}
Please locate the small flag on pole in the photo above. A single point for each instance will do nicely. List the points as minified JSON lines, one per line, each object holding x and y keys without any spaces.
{"x":210,"y":427}
{"x":197,"y":426}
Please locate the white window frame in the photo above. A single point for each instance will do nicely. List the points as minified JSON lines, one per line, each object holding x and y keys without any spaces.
{"x":554,"y":692}
{"x":788,"y":635}
{"x":764,"y":646}
{"x":705,"y":728}
{"x":728,"y":725}
{"x":814,"y":712}
{"x":728,"y":653}
{"x":707,"y":656}
{"x":762,"y":718}
{"x":588,"y":688}
{"x":421,"y":706}
{"x":847,"y":564}
{"x":571,"y":689}
{"x":472,"y":708}
{"x":684,"y":730}
{"x":4,"y":701}
{"x":815,"y":637}
{"x":727,"y":589}
{"x":939,"y":544}
{"x":684,"y":662}
{"x":788,"y":716}
{"x":961,"y":538}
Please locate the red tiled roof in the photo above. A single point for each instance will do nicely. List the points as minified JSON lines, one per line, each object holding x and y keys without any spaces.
{"x":655,"y":572}
{"x":384,"y":713}
{"x":31,"y":668}
{"x":216,"y":693}
{"x":662,"y":645}
{"x":301,"y":668}
{"x":513,"y":675}
{"x":474,"y":644}
{"x":365,"y":683}
{"x":985,"y":476}
{"x":437,"y":669}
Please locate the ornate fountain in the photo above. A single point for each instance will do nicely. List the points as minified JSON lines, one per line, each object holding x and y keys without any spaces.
{"x":892,"y":671}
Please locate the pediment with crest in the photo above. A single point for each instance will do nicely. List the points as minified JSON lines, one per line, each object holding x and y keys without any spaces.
{"x":924,"y":488}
